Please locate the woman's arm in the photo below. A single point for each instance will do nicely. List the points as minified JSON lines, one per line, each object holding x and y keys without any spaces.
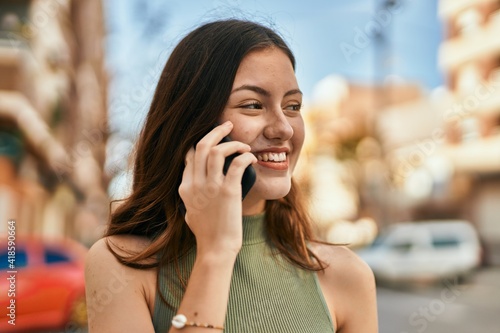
{"x":214,"y":215}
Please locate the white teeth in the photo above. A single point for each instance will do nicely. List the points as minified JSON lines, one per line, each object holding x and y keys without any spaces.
{"x":273,"y":157}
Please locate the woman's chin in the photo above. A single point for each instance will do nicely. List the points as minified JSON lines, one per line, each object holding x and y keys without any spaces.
{"x":272,"y":191}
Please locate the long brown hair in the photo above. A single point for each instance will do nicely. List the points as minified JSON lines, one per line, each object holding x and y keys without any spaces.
{"x":191,"y":94}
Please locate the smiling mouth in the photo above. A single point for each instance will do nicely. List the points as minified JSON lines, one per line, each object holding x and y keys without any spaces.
{"x":272,"y":157}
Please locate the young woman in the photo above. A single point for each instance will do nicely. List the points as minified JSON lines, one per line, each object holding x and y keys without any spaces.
{"x":184,"y":252}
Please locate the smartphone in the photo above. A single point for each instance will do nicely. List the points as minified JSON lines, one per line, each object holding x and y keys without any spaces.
{"x":249,"y":175}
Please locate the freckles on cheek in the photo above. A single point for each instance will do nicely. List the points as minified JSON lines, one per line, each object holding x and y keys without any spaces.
{"x":240,"y":132}
{"x":241,"y":135}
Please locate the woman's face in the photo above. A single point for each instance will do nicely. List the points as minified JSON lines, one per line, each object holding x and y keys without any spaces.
{"x":264,"y":107}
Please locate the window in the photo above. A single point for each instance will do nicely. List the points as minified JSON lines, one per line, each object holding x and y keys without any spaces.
{"x":13,"y":15}
{"x":20,"y":260}
{"x":54,"y":257}
{"x":402,"y":246}
{"x":445,"y":242}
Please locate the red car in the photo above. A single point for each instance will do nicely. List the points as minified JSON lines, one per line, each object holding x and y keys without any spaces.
{"x":42,"y":285}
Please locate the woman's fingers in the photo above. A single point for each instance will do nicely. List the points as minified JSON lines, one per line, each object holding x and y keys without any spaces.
{"x":204,"y":188}
{"x":212,"y":201}
{"x":217,"y":157}
{"x":204,"y":146}
{"x":236,"y":169}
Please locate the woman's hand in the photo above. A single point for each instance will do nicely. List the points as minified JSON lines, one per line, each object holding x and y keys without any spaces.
{"x":212,"y":199}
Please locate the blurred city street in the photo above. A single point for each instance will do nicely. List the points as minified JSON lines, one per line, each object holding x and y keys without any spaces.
{"x":402,"y":114}
{"x":468,"y":307}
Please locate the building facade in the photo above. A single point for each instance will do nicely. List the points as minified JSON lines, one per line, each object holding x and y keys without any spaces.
{"x":470,"y":58}
{"x":53,"y":117}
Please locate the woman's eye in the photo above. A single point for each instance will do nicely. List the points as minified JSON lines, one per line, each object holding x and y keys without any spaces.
{"x":294,"y":107}
{"x":252,"y":106}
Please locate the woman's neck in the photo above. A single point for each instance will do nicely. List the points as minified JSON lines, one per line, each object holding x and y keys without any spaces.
{"x":253,"y":206}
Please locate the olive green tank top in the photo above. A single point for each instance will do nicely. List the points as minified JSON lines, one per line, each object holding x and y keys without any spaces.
{"x":267,"y":295}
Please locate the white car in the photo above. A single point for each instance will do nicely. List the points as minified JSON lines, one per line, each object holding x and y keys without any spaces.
{"x":424,"y":251}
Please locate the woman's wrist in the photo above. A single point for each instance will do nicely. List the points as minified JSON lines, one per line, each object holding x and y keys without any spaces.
{"x":216,"y":258}
{"x":204,"y":304}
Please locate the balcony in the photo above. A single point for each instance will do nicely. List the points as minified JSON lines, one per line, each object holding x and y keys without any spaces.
{"x":480,"y":156}
{"x":484,"y":100}
{"x":15,"y":107}
{"x":450,"y":8}
{"x":462,"y":49}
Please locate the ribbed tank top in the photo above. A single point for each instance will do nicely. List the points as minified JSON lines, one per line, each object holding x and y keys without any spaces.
{"x":267,"y":295}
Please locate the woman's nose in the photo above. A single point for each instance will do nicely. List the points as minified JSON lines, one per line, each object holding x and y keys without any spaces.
{"x":278,"y":127}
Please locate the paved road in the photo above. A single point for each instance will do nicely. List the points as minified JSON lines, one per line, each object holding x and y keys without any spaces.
{"x":473,"y":307}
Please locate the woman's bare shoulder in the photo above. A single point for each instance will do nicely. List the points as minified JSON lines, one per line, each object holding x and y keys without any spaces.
{"x":123,"y":244}
{"x":102,"y":263}
{"x":101,"y":252}
{"x":349,"y":288}
{"x":115,"y":290}
{"x":342,"y":262}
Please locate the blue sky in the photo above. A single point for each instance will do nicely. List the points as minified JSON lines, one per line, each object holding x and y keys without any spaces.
{"x":327,"y":37}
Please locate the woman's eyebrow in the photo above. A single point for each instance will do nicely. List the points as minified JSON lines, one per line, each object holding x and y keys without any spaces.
{"x":256,"y":89}
{"x":293,"y":92}
{"x":264,"y":92}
